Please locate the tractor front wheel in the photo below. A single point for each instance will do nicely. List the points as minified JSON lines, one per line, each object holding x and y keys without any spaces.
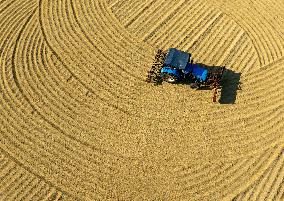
{"x":169,"y":78}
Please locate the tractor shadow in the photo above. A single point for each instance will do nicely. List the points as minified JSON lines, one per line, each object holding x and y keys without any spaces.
{"x":230,"y":85}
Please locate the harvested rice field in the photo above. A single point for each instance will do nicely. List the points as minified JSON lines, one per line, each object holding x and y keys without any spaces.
{"x":79,"y":122}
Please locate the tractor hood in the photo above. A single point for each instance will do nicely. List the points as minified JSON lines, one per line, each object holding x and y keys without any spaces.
{"x":177,"y":58}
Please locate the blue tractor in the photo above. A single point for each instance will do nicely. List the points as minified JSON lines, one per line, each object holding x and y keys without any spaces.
{"x":175,"y":66}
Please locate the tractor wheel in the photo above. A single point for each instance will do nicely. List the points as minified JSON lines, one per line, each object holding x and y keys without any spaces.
{"x":169,"y":78}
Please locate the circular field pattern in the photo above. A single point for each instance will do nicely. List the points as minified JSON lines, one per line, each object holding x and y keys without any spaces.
{"x":79,"y":122}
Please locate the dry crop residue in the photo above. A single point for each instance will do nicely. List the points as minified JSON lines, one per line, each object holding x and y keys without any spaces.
{"x":78,"y":120}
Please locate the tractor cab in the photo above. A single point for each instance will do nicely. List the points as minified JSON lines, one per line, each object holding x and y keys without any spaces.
{"x":178,"y":66}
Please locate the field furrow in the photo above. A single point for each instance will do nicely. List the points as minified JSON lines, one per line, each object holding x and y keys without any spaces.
{"x":164,"y":33}
{"x":182,"y":23}
{"x":255,"y":18}
{"x":205,"y":190}
{"x":79,"y":122}
{"x":20,"y":184}
{"x":10,"y":89}
{"x":97,"y":90}
{"x":268,"y":185}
